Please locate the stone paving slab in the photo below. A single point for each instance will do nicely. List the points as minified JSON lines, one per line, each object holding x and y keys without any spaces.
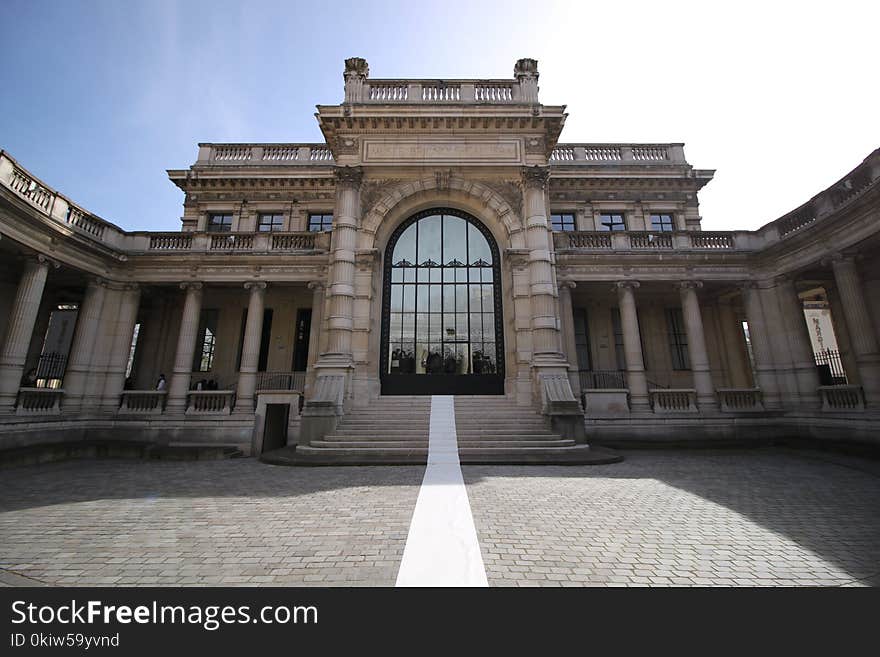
{"x":661,"y":518}
{"x":681,"y":518}
{"x":233,"y":522}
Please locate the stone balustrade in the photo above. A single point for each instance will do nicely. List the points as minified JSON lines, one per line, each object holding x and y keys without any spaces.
{"x":232,"y":242}
{"x":842,"y":398}
{"x":438,"y":91}
{"x":39,"y":401}
{"x":210,"y":402}
{"x":143,"y":402}
{"x":264,"y":154}
{"x":583,"y":240}
{"x":674,"y":400}
{"x":740,"y":400}
{"x":614,"y":154}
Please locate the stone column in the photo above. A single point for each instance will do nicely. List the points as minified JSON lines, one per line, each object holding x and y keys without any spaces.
{"x":341,"y":285}
{"x":22,"y":318}
{"x":121,"y":347}
{"x":186,"y":344}
{"x":699,"y":355}
{"x":317,"y":288}
{"x":859,"y":326}
{"x":569,"y":343}
{"x":799,"y":344}
{"x":762,"y":350}
{"x":250,"y":349}
{"x":637,"y":382}
{"x":545,"y":329}
{"x":80,"y":362}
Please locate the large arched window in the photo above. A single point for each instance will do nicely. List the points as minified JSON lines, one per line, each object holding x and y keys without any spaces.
{"x":441,"y":308}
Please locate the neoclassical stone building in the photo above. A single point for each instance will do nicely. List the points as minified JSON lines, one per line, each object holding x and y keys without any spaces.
{"x":441,"y":241}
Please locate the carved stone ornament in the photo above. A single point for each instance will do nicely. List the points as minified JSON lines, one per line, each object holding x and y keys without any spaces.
{"x":255,"y":285}
{"x":535,"y":176}
{"x":536,"y":145}
{"x":356,"y":67}
{"x":526,"y":68}
{"x":372,"y":190}
{"x":348,"y":176}
{"x":346,"y":146}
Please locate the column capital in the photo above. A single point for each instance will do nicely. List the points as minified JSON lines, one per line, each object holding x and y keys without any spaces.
{"x":535,"y":176}
{"x":191,"y":285}
{"x":44,"y":260}
{"x":568,"y":285}
{"x":98,"y":281}
{"x":317,"y":285}
{"x":348,"y":176}
{"x":689,"y":285}
{"x":626,"y":285}
{"x":255,"y":285}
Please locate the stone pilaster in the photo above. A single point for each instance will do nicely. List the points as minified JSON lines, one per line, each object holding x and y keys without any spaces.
{"x":250,"y":349}
{"x":186,"y":344}
{"x":699,"y":355}
{"x":762,"y":350}
{"x":799,"y":344}
{"x":859,"y":326}
{"x":80,"y":363}
{"x":120,"y":347}
{"x":636,"y":380}
{"x":22,"y":318}
{"x":738,"y":370}
{"x":317,"y":288}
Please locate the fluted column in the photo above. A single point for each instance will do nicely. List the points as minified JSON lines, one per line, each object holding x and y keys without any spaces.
{"x":20,"y":329}
{"x":568,"y":338}
{"x":545,"y":331}
{"x":699,"y":355}
{"x":80,"y":362}
{"x":799,"y":344}
{"x":762,"y":350}
{"x":120,"y":348}
{"x":340,"y":321}
{"x":637,"y":382}
{"x":186,"y":344}
{"x":250,"y":349}
{"x":859,"y":326}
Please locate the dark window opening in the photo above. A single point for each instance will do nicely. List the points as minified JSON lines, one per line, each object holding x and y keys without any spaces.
{"x":270,"y":222}
{"x":219,"y":223}
{"x":678,"y":342}
{"x":563,"y":221}
{"x":320,"y":222}
{"x":206,"y":341}
{"x":662,"y":223}
{"x":611,"y":221}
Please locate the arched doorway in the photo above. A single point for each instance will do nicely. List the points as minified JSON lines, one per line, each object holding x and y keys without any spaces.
{"x":441,"y":308}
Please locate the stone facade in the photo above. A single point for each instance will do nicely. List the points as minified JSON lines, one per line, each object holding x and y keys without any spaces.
{"x":621,"y":320}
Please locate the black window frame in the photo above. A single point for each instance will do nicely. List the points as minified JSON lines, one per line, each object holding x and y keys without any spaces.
{"x":666,"y":223}
{"x":678,"y":340}
{"x":613,"y":226}
{"x":323,"y":224}
{"x":222,"y":227}
{"x":563,"y":221}
{"x":275,"y":224}
{"x":209,"y":318}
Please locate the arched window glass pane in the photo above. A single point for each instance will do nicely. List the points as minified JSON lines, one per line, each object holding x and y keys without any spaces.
{"x":429,"y":240}
{"x":478,"y":247}
{"x":454,"y":241}
{"x":405,"y":249}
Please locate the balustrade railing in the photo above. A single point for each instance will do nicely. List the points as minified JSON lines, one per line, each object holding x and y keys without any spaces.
{"x":602,"y":379}
{"x":842,"y":398}
{"x":638,"y":240}
{"x":737,"y":400}
{"x":293,"y":241}
{"x":207,"y":402}
{"x":231,"y":242}
{"x":264,"y":154}
{"x":645,"y":240}
{"x":705,"y":240}
{"x":171,"y":242}
{"x":226,"y":242}
{"x":39,"y":401}
{"x":150,"y":402}
{"x":831,"y":370}
{"x":281,"y":381}
{"x":635,"y":154}
{"x":674,"y":400}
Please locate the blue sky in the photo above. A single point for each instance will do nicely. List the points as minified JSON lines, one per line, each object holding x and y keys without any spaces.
{"x":99,"y":98}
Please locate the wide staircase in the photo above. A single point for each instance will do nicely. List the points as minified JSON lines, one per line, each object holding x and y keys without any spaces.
{"x":491,"y":429}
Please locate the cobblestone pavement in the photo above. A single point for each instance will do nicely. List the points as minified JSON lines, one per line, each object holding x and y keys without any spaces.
{"x":725,"y":518}
{"x":760,"y":517}
{"x":234,"y":522}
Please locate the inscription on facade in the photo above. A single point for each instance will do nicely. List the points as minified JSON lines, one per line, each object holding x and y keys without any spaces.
{"x":488,"y":151}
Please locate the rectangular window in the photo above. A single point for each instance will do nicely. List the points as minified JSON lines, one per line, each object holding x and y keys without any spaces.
{"x":662,"y":223}
{"x":270,"y":222}
{"x":219,"y":223}
{"x":582,"y":339}
{"x":678,"y":343}
{"x":320,"y":222}
{"x":619,"y":354}
{"x":563,"y":221}
{"x":206,"y":341}
{"x":263,"y":358}
{"x":612,"y":221}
